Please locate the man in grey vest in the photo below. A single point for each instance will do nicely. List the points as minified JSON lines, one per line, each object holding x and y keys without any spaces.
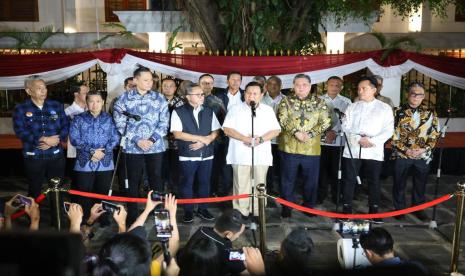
{"x":195,"y":127}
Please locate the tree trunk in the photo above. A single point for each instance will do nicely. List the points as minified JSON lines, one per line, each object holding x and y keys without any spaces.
{"x":205,"y":19}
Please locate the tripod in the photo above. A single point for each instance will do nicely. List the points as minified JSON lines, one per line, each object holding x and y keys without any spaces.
{"x":253,"y":224}
{"x":123,"y":144}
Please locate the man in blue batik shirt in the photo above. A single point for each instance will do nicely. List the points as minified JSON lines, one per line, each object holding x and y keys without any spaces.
{"x":143,"y":145}
{"x":41,"y":125}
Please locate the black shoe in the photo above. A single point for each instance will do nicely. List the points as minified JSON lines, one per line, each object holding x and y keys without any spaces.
{"x":205,"y":215}
{"x":421,"y":215}
{"x":286,"y":213}
{"x":188,"y":217}
{"x":346,"y":209}
{"x":378,"y":221}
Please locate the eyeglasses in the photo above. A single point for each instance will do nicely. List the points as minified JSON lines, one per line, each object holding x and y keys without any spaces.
{"x":198,"y":95}
{"x":206,"y":83}
{"x":417,"y":95}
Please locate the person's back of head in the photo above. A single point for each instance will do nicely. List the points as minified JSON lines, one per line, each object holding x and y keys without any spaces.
{"x":296,"y":251}
{"x":230,"y":224}
{"x":124,"y":254}
{"x":377,"y":240}
{"x":200,"y":257}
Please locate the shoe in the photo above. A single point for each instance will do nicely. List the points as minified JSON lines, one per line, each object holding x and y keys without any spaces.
{"x":286,"y":213}
{"x":205,"y":214}
{"x":188,"y":217}
{"x":400,"y":217}
{"x":421,"y":215}
{"x":346,"y":209}
{"x":378,"y":221}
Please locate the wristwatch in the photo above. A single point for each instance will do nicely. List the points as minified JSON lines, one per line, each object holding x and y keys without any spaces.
{"x":260,"y":140}
{"x":152,"y":140}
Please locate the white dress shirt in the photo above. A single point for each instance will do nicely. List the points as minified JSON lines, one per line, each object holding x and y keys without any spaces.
{"x":72,"y":111}
{"x":341,"y":103}
{"x":374,"y":120}
{"x":176,"y":125}
{"x":239,"y":118}
{"x":233,"y":99}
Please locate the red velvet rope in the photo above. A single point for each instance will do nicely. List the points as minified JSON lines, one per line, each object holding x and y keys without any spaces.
{"x":143,"y":200}
{"x":364,"y":216}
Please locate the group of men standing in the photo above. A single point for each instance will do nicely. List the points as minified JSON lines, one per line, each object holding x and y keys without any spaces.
{"x":213,"y":137}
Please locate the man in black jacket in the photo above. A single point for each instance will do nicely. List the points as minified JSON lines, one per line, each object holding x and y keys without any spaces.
{"x":195,"y":127}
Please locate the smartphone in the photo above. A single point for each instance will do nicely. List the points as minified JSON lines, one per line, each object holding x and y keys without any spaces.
{"x":354,"y":227}
{"x":162,"y":223}
{"x":21,"y":201}
{"x":66,"y":206}
{"x":109,"y":207}
{"x":157,"y":197}
{"x":236,"y":255}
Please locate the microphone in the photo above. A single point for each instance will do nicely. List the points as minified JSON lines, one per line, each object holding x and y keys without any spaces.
{"x":338,"y":112}
{"x":130,"y":115}
{"x":253,"y":106}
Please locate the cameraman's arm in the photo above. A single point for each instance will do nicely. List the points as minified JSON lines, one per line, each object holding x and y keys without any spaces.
{"x":171,"y":206}
{"x":34,"y":214}
{"x":149,"y":206}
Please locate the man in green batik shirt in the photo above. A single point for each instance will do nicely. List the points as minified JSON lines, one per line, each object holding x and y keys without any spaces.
{"x":303,"y":117}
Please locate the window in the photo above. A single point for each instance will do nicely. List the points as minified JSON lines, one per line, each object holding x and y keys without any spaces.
{"x":19,"y":10}
{"x":460,"y":16}
{"x":122,"y":5}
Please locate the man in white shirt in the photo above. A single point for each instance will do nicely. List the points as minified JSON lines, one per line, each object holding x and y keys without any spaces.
{"x":195,"y":127}
{"x":238,"y":126}
{"x":368,"y":123}
{"x":79,"y":105}
{"x":273,"y":97}
{"x":331,"y":141}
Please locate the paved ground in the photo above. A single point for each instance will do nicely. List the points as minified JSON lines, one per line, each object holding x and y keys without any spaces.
{"x":413,"y":239}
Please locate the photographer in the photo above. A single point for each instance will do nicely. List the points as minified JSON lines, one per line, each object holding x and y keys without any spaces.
{"x":210,"y":249}
{"x":378,"y":247}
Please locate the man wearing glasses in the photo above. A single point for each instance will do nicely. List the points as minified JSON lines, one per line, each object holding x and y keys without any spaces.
{"x":195,"y":127}
{"x":415,"y":135}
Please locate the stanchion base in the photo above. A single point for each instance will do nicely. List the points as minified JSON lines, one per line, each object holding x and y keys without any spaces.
{"x":433,"y":225}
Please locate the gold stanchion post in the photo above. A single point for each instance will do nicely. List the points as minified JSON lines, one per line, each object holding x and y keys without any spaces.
{"x":261,"y":189}
{"x":460,"y":194}
{"x":55,"y":188}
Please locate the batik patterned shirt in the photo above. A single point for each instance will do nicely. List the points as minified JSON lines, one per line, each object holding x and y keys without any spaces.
{"x":310,"y":115}
{"x":152,"y":108}
{"x":88,"y":133}
{"x":415,"y":128}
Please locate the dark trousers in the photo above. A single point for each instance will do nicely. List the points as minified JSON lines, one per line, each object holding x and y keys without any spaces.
{"x":310,"y":168}
{"x":135,"y":164}
{"x":191,"y":170}
{"x":329,"y":166}
{"x":170,"y":166}
{"x":224,"y":170}
{"x":372,"y":170}
{"x":420,"y":172}
{"x":121,"y":169}
{"x":93,"y":182}
{"x":39,"y":171}
{"x":273,"y":171}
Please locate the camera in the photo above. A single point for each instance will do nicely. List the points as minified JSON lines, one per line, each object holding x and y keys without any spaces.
{"x":109,"y":207}
{"x":354,"y":227}
{"x":157,"y":197}
{"x":21,"y":201}
{"x":162,"y":223}
{"x":236,"y":255}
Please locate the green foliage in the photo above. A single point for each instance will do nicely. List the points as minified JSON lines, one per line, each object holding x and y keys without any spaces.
{"x":123,"y":32}
{"x":389,"y":46}
{"x":171,"y":45}
{"x":30,"y":40}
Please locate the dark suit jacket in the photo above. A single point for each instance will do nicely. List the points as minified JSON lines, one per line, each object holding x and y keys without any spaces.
{"x":223,"y":95}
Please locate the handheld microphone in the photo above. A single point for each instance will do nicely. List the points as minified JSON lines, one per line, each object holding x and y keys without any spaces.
{"x":253,"y":106}
{"x":132,"y":116}
{"x":338,"y":112}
